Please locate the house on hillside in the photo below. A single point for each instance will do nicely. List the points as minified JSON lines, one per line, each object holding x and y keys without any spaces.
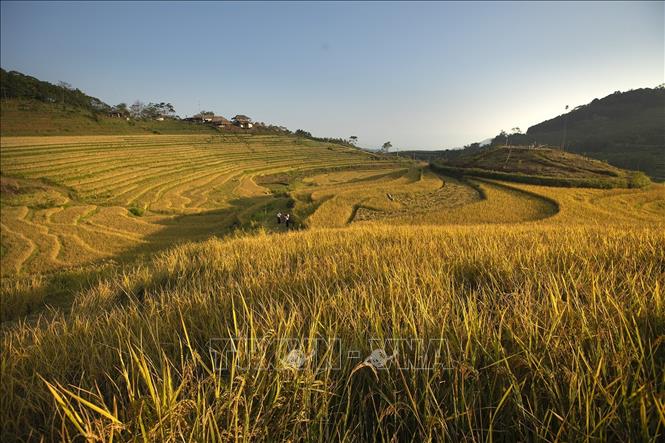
{"x":216,"y":120}
{"x":201,"y":118}
{"x":242,"y":121}
{"x":220,"y":122}
{"x":115,"y":112}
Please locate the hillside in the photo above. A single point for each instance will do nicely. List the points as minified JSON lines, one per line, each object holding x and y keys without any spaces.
{"x":77,"y":206}
{"x":29,"y":117}
{"x":541,"y":165}
{"x":15,"y":85}
{"x":538,"y":161}
{"x":31,"y":107}
{"x":624,"y":128}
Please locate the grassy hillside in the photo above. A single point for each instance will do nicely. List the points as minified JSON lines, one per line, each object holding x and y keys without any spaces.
{"x":18,"y":86}
{"x":86,"y":204}
{"x":541,"y":166}
{"x":538,"y":161}
{"x":21,"y":117}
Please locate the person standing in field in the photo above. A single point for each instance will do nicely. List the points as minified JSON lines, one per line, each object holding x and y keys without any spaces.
{"x":287,"y":218}
{"x":279,"y":217}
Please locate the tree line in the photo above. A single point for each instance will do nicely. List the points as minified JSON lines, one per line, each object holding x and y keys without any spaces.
{"x":140,"y":110}
{"x":13,"y":84}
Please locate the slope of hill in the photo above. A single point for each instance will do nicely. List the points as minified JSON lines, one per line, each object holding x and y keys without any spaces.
{"x":26,"y":117}
{"x":31,"y":106}
{"x":626,"y":129}
{"x":538,"y":161}
{"x":541,"y":166}
{"x":15,"y":85}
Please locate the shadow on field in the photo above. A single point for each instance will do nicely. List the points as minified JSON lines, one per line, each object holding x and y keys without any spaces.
{"x":27,"y":298}
{"x":247,"y":214}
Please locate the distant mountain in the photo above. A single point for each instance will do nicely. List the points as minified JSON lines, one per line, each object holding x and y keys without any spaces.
{"x":627,"y":129}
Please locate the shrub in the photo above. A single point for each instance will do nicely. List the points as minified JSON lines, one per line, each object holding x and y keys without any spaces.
{"x":638,"y":180}
{"x":136,"y":211}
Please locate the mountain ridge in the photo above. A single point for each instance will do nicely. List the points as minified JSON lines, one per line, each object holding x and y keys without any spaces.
{"x":625,"y":129}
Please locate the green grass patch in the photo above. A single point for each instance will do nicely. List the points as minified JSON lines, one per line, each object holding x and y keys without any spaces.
{"x":136,"y":211}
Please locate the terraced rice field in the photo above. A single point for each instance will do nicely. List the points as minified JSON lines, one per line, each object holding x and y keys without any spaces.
{"x":76,"y":207}
{"x":75,"y":201}
{"x":69,"y":201}
{"x":418,"y":196}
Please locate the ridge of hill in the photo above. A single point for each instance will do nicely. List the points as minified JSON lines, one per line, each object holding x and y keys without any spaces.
{"x":35,"y":107}
{"x":31,"y":117}
{"x":32,"y":107}
{"x":15,"y":85}
{"x":624,"y":129}
{"x":542,"y":165}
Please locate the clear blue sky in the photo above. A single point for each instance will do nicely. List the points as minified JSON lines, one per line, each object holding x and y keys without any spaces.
{"x":423,"y":75}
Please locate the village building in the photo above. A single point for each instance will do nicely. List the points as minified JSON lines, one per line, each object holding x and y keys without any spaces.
{"x":242,"y":121}
{"x":216,"y":120}
{"x":114,"y":112}
{"x":221,"y":122}
{"x":202,"y":118}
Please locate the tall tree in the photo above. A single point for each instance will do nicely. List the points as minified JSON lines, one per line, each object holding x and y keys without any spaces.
{"x":386,"y":147}
{"x":515,"y":131}
{"x":136,"y":109}
{"x":64,"y":86}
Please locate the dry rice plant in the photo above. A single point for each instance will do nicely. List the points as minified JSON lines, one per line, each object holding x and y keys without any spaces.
{"x":520,"y":333}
